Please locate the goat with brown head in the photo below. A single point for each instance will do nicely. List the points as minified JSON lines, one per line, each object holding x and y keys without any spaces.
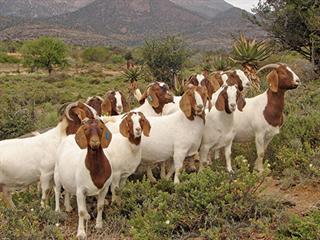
{"x":133,"y":125}
{"x":75,"y":113}
{"x":280,"y":79}
{"x":201,"y":80}
{"x":157,"y":94}
{"x":193,"y":102}
{"x":229,"y":99}
{"x":93,"y":135}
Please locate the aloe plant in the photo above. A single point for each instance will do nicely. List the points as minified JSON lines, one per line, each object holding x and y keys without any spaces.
{"x":221,"y":63}
{"x":249,"y":52}
{"x":132,"y":74}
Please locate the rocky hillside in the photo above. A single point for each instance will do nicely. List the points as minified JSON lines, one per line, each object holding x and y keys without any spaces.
{"x":130,"y":17}
{"x":206,"y":8}
{"x":39,"y":8}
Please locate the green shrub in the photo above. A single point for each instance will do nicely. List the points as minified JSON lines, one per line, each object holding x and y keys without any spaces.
{"x":4,"y":58}
{"x":16,"y":120}
{"x":202,"y":204}
{"x":96,"y":54}
{"x":116,"y":59}
{"x":297,"y":227}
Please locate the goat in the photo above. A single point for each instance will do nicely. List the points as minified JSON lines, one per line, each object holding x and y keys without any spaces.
{"x":219,"y":131}
{"x":28,"y":160}
{"x":231,"y":77}
{"x":84,"y":172}
{"x":124,"y":151}
{"x":153,"y":100}
{"x":262,"y":117}
{"x":114,"y":103}
{"x":177,"y":135}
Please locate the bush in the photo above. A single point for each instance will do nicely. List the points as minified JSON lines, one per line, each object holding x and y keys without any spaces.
{"x":208,"y":203}
{"x":296,"y":227}
{"x":15,"y":120}
{"x":4,"y":58}
{"x":165,"y":58}
{"x":116,"y":59}
{"x":96,"y":54}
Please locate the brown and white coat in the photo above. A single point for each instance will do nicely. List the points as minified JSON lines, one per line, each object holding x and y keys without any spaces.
{"x":262,"y":118}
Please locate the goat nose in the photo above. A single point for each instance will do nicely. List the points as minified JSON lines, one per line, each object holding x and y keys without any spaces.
{"x":200,"y":106}
{"x":138,"y":129}
{"x":233,"y":105}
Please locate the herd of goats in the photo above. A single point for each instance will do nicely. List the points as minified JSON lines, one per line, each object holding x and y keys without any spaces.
{"x":100,"y":143}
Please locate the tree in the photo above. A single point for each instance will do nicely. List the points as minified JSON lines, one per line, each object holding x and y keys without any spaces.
{"x":44,"y":52}
{"x":165,"y":58}
{"x":295,"y":24}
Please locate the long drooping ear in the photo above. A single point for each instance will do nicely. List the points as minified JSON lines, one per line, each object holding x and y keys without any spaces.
{"x":209,"y":88}
{"x":126,"y":107}
{"x":143,"y":97}
{"x":79,"y":112}
{"x":273,"y":80}
{"x":152,"y":98}
{"x":185,"y":104}
{"x":146,"y":127}
{"x":81,"y":138}
{"x":124,"y":128}
{"x":106,"y":107}
{"x":214,"y":83}
{"x":220,"y":103}
{"x":106,"y":135}
{"x":241,"y":102}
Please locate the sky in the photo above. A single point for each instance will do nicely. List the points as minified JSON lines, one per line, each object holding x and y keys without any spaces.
{"x":244,"y":4}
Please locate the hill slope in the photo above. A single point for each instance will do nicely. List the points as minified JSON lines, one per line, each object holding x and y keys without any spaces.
{"x":207,"y":8}
{"x":39,"y":8}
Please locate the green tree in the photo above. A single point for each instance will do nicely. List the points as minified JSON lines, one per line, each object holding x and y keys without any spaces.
{"x":295,"y":24}
{"x":44,"y":52}
{"x":96,"y":54}
{"x":165,"y":58}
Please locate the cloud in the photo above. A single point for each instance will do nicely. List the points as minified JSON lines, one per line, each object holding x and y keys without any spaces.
{"x":244,"y":4}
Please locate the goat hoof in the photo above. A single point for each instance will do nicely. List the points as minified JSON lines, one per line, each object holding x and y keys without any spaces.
{"x":69,"y":209}
{"x":98,"y":226}
{"x":81,"y":235}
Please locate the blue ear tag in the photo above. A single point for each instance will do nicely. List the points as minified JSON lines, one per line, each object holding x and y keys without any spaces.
{"x":150,"y":98}
{"x":107,"y":135}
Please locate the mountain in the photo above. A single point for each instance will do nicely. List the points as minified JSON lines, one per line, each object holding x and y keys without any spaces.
{"x":222,"y":30}
{"x":130,"y":22}
{"x":39,"y":8}
{"x":206,"y":8}
{"x":130,"y":17}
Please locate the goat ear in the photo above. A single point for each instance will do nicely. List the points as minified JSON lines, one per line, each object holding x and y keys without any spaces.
{"x":126,"y":107}
{"x":185,"y":104}
{"x":80,"y":113}
{"x":106,"y":107}
{"x":241,"y":102}
{"x":124,"y":128}
{"x":152,"y":98}
{"x":81,"y":138}
{"x":214,"y":83}
{"x":209,"y":88}
{"x":220,"y":103}
{"x":143,"y":97}
{"x":273,"y":80}
{"x":106,"y":136}
{"x":146,"y":127}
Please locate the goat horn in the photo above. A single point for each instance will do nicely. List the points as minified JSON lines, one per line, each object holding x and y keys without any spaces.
{"x":71,"y":105}
{"x":272,"y":65}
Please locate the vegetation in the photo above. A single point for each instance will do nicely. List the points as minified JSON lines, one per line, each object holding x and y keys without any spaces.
{"x":165,"y":58}
{"x":208,"y":205}
{"x":44,"y":52}
{"x":96,"y":54}
{"x":221,"y":63}
{"x":248,"y":52}
{"x":293,"y":24}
